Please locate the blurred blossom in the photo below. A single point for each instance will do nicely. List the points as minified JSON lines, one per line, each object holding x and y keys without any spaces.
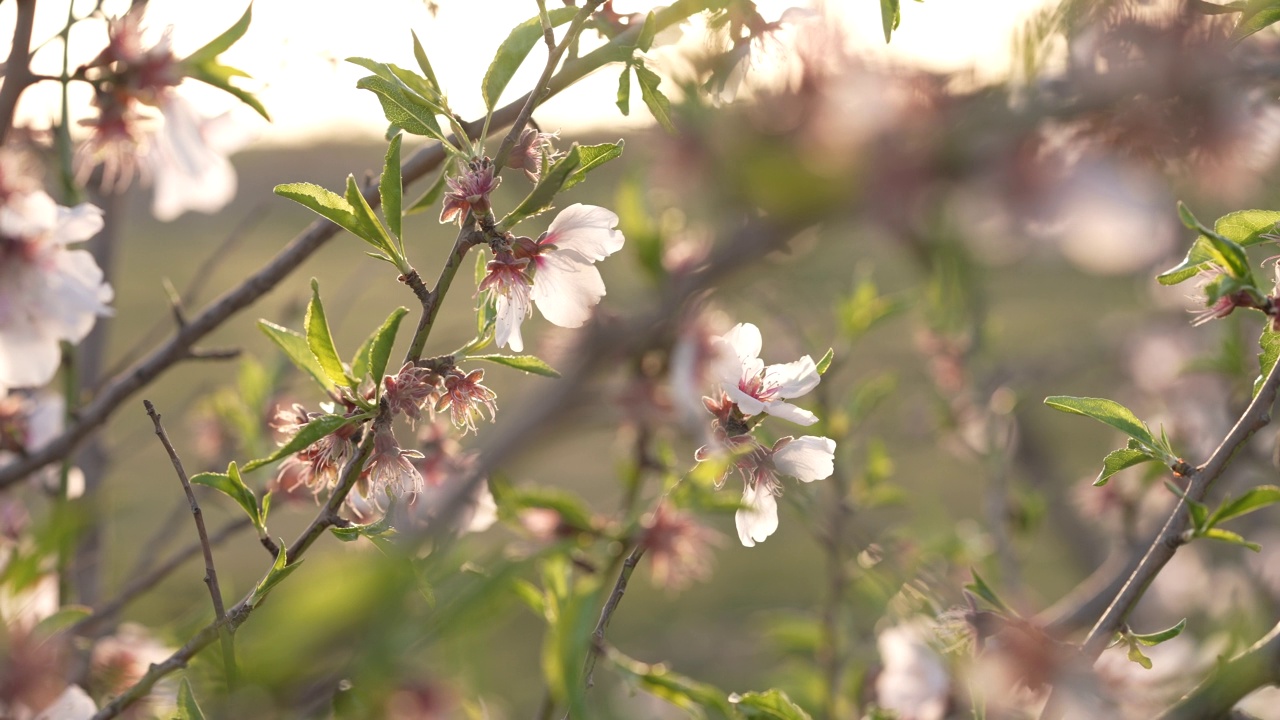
{"x":120,"y":660}
{"x":188,"y":161}
{"x":556,"y":272}
{"x":914,"y":681}
{"x":420,"y":701}
{"x":543,"y":524}
{"x":47,"y":293}
{"x":754,"y":388}
{"x":679,"y":549}
{"x":697,"y":352}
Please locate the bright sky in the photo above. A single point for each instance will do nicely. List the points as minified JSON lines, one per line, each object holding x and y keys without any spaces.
{"x":294,"y":51}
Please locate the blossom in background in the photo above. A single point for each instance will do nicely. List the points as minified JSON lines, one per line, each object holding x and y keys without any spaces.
{"x":914,"y":682}
{"x":188,"y":161}
{"x":806,"y":458}
{"x":529,"y":151}
{"x":47,"y":293}
{"x":755,"y":388}
{"x":556,"y":272}
{"x":679,"y":548}
{"x":469,"y":192}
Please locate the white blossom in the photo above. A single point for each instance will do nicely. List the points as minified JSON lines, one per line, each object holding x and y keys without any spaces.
{"x":188,"y":160}
{"x":756,"y":388}
{"x":806,"y":458}
{"x":914,"y":683}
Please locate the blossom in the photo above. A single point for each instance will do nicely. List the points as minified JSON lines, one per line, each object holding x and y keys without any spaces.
{"x":466,"y":399}
{"x":469,"y":192}
{"x":47,"y":292}
{"x":678,"y":548}
{"x":806,"y":458}
{"x":755,"y":388}
{"x":914,"y":683}
{"x":317,"y":465}
{"x":409,"y":390}
{"x":188,"y":161}
{"x":389,"y":470}
{"x":529,"y":151}
{"x":556,"y":272}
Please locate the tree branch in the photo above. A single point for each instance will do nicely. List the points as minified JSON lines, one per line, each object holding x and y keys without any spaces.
{"x":606,"y":614}
{"x":17,"y":69}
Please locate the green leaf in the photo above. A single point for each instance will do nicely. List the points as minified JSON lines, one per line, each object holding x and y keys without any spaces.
{"x":188,"y":708}
{"x":1155,"y":638}
{"x":295,"y":348}
{"x":1199,"y":511}
{"x":1118,"y":460}
{"x":686,"y":694}
{"x":1253,"y":499}
{"x":527,"y":363}
{"x":219,"y":76}
{"x":391,"y":188}
{"x":648,"y":32}
{"x":980,"y":588}
{"x":513,"y":51}
{"x":223,"y":42}
{"x":768,"y":705}
{"x":61,"y":619}
{"x":657,"y":103}
{"x":1201,"y":252}
{"x":232,"y":485}
{"x":322,"y":426}
{"x":591,"y":157}
{"x":372,"y":230}
{"x":1258,"y":14}
{"x":890,"y":17}
{"x":374,"y":353}
{"x":423,"y":63}
{"x":374,"y":530}
{"x":1247,"y":227}
{"x":408,"y":110}
{"x":320,"y":341}
{"x":1135,"y":655}
{"x":825,"y":363}
{"x":1269,"y":341}
{"x":1230,"y":537}
{"x":432,"y":195}
{"x":624,"y":90}
{"x":280,"y":570}
{"x":332,"y":207}
{"x":1111,"y":413}
{"x":566,"y":646}
{"x":1231,"y":258}
{"x":1187,"y":217}
{"x":565,"y":173}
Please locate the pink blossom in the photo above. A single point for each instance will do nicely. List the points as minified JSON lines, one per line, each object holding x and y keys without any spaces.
{"x":679,"y":548}
{"x":390,"y":470}
{"x":47,"y":292}
{"x":806,"y":458}
{"x":561,"y":277}
{"x":469,"y":192}
{"x":756,"y":388}
{"x":466,"y":399}
{"x":410,"y":390}
{"x":529,"y":151}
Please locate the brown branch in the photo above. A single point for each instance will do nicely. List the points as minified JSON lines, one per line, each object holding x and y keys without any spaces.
{"x":210,"y":573}
{"x":606,"y":614}
{"x":431,"y":300}
{"x":17,"y":69}
{"x":328,"y":515}
{"x":1257,"y":667}
{"x":147,"y":369}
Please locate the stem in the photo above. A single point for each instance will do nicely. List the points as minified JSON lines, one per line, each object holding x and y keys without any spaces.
{"x":606,"y":614}
{"x":328,"y":515}
{"x":66,"y":172}
{"x":17,"y":69}
{"x":467,"y":238}
{"x":210,"y":573}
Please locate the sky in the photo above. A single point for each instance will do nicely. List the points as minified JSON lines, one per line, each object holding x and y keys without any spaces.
{"x":295,"y":52}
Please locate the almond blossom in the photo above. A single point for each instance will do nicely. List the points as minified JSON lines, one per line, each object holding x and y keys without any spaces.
{"x":806,"y":458}
{"x":47,"y":293}
{"x":556,"y":272}
{"x":755,"y":388}
{"x":188,"y":160}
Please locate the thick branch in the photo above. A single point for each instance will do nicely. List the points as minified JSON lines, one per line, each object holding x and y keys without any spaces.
{"x":17,"y":69}
{"x":1256,"y":667}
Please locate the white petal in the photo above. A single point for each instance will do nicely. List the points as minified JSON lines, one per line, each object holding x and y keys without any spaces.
{"x":28,"y":357}
{"x":790,"y":413}
{"x":189,"y":174}
{"x":73,"y":704}
{"x":79,"y":223}
{"x":586,"y":229}
{"x":746,"y":341}
{"x":793,"y":379}
{"x":807,"y":458}
{"x":506,"y":327}
{"x":565,"y":288}
{"x":758,"y":518}
{"x":485,"y":512}
{"x":747,"y":404}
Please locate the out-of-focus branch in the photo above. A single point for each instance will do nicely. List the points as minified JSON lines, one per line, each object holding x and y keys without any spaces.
{"x":17,"y":69}
{"x":147,"y":369}
{"x":1256,"y":667}
{"x":606,"y":613}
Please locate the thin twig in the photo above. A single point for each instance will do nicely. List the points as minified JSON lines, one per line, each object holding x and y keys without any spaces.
{"x":17,"y":69}
{"x":431,"y":301}
{"x":606,"y":614}
{"x":328,"y":515}
{"x":210,"y":573}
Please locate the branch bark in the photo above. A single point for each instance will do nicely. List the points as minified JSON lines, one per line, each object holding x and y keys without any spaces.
{"x":17,"y":69}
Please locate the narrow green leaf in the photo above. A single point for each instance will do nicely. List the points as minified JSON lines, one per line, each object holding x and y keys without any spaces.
{"x":232,"y":485}
{"x":768,"y":705}
{"x":329,"y":205}
{"x":280,"y":570}
{"x":514,"y":50}
{"x":320,"y":340}
{"x":423,"y":63}
{"x":1253,"y":499}
{"x":1155,"y":638}
{"x":890,"y":17}
{"x":295,"y":348}
{"x":1198,"y":510}
{"x":188,"y":708}
{"x":531,"y":596}
{"x":223,"y":42}
{"x":61,"y":619}
{"x":1230,"y":537}
{"x":371,"y":228}
{"x":405,"y":109}
{"x":1231,"y":257}
{"x":657,"y":103}
{"x":1257,"y":15}
{"x":686,"y":694}
{"x":572,"y":510}
{"x":1201,"y":252}
{"x":372,"y":357}
{"x":980,"y":588}
{"x":374,"y":530}
{"x":219,"y":76}
{"x":1187,"y":217}
{"x":1269,"y":341}
{"x":624,"y":90}
{"x":380,"y":69}
{"x":825,"y":363}
{"x":1109,"y":412}
{"x":322,"y":426}
{"x":544,"y":193}
{"x":648,"y":32}
{"x":527,"y":363}
{"x":1118,"y":460}
{"x":391,"y":188}
{"x":1247,"y":227}
{"x":566,"y":645}
{"x":591,"y":157}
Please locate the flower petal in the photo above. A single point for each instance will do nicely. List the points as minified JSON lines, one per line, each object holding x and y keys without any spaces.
{"x":806,"y":458}
{"x":587,"y":230}
{"x":189,"y":173}
{"x":511,"y":312}
{"x":793,"y":379}
{"x":565,"y":288}
{"x":747,"y":404}
{"x":28,"y":357}
{"x":745,"y":340}
{"x":789,"y":412}
{"x":758,"y":518}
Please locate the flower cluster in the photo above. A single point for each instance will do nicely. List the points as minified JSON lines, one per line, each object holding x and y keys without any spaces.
{"x":745,"y":390}
{"x":556,"y":272}
{"x":48,"y":293}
